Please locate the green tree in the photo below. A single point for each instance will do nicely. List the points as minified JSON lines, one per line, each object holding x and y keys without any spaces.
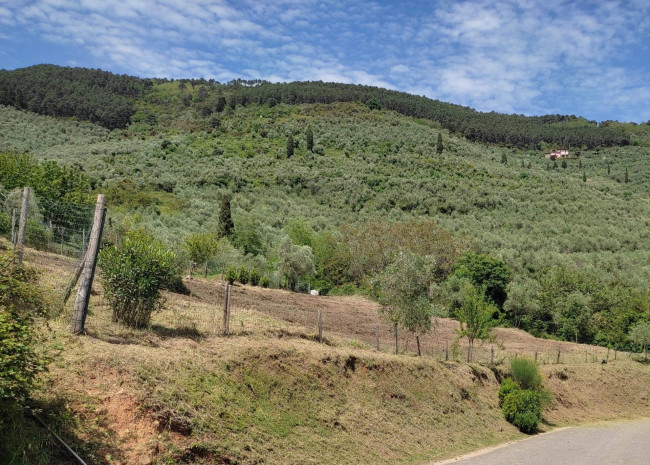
{"x":290,"y":146}
{"x":584,"y":176}
{"x":439,"y":146}
{"x":640,"y":335}
{"x":310,"y":139}
{"x":295,"y":262}
{"x":487,"y":273}
{"x":474,"y":315}
{"x":226,"y":225}
{"x":133,"y":274}
{"x":201,"y":248}
{"x":402,"y":290}
{"x":627,"y":178}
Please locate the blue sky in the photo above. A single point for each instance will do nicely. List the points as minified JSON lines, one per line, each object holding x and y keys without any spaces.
{"x":588,"y":58}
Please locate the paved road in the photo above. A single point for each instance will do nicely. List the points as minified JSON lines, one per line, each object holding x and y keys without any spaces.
{"x":613,"y":444}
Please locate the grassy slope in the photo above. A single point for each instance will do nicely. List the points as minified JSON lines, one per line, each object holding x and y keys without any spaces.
{"x":181,"y":393}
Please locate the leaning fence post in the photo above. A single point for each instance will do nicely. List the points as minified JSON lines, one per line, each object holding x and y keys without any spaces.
{"x":395,"y":331}
{"x":492,"y":355}
{"x":320,"y":326}
{"x":558,"y":354}
{"x":446,"y":350}
{"x":90,"y":263}
{"x":22,"y":225}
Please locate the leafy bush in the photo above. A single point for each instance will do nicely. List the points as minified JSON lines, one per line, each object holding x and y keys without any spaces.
{"x":507,"y":386}
{"x":523,"y":407}
{"x":37,"y":236}
{"x":133,"y":274}
{"x":243,"y":275}
{"x":231,"y":274}
{"x":20,"y":361}
{"x":255,"y":276}
{"x":525,"y":373}
{"x":5,"y":223}
{"x":265,"y":281}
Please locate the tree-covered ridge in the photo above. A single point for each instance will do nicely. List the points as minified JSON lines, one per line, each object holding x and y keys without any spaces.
{"x":108,"y":99}
{"x":515,"y":130}
{"x":87,"y":94}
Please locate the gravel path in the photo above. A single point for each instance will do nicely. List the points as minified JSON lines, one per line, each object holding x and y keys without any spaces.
{"x":612,"y":444}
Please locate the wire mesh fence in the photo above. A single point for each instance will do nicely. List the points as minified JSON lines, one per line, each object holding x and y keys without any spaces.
{"x":56,"y":233}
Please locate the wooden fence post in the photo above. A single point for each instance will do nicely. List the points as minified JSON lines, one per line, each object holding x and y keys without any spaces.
{"x":535,"y":355}
{"x":13,"y":227}
{"x":90,"y":263}
{"x":492,"y":355}
{"x":22,"y":225}
{"x":377,"y":337}
{"x":395,"y":331}
{"x":446,"y":350}
{"x":558,"y":354}
{"x":226,"y":311}
{"x":320,"y":326}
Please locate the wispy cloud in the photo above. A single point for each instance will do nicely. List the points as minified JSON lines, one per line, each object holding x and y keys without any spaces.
{"x":522,"y":56}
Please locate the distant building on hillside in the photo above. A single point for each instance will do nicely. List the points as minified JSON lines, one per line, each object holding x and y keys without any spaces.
{"x":555,"y":154}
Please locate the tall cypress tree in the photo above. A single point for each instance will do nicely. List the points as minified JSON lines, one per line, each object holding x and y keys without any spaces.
{"x":439,"y":146}
{"x":310,"y":139}
{"x":290,"y":146}
{"x":627,"y":179}
{"x":225,"y":218}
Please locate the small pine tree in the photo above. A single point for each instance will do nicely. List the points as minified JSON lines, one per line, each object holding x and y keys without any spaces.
{"x":627,"y":179}
{"x":310,"y":139}
{"x":225,"y":218}
{"x":608,"y":168}
{"x":290,"y":146}
{"x":439,"y":146}
{"x":580,"y":164}
{"x":504,"y":159}
{"x":584,"y":176}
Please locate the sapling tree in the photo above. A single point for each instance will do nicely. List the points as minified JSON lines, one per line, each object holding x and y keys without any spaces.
{"x":402,"y":290}
{"x":475,"y":316}
{"x":201,"y":248}
{"x":640,"y":335}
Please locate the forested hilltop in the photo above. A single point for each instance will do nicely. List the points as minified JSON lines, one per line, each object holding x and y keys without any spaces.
{"x":327,"y":184}
{"x":107,"y":99}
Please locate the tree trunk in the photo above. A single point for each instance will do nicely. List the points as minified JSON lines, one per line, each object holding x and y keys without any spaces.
{"x":417,"y":339}
{"x":205,"y":272}
{"x":470,"y":349}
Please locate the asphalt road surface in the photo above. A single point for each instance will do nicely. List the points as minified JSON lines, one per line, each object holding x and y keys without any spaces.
{"x":612,"y":444}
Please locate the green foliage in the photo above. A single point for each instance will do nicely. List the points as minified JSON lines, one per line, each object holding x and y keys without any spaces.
{"x":506,"y":387}
{"x":254,"y":276}
{"x":489,"y":273}
{"x":202,"y":247}
{"x":133,"y":274}
{"x":231,"y":274}
{"x":475,"y":315}
{"x":402,"y":290}
{"x":243,"y":275}
{"x":310,"y":139}
{"x":525,"y":373}
{"x":523,"y":408}
{"x":640,"y":335}
{"x":295,"y":262}
{"x":290,"y":146}
{"x":20,"y":359}
{"x":226,"y":225}
{"x":264,"y":281}
{"x":439,"y":146}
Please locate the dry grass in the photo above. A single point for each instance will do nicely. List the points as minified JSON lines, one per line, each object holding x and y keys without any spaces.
{"x":182,"y":393}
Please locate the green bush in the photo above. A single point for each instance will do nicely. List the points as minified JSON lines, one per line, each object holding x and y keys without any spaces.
{"x":133,"y":275}
{"x":243,"y":275}
{"x":231,"y":274}
{"x":527,"y":405}
{"x":5,"y":223}
{"x":20,"y":361}
{"x":255,"y":276}
{"x":507,"y":386}
{"x":525,"y":373}
{"x":265,"y":281}
{"x":37,"y":236}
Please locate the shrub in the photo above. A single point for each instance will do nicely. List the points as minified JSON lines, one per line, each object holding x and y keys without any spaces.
{"x":133,"y":275}
{"x":523,"y":407}
{"x":507,"y":386}
{"x":37,"y":236}
{"x":525,"y":373}
{"x":255,"y":276}
{"x":243,"y":275}
{"x":265,"y":281}
{"x":231,"y":274}
{"x":20,"y":361}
